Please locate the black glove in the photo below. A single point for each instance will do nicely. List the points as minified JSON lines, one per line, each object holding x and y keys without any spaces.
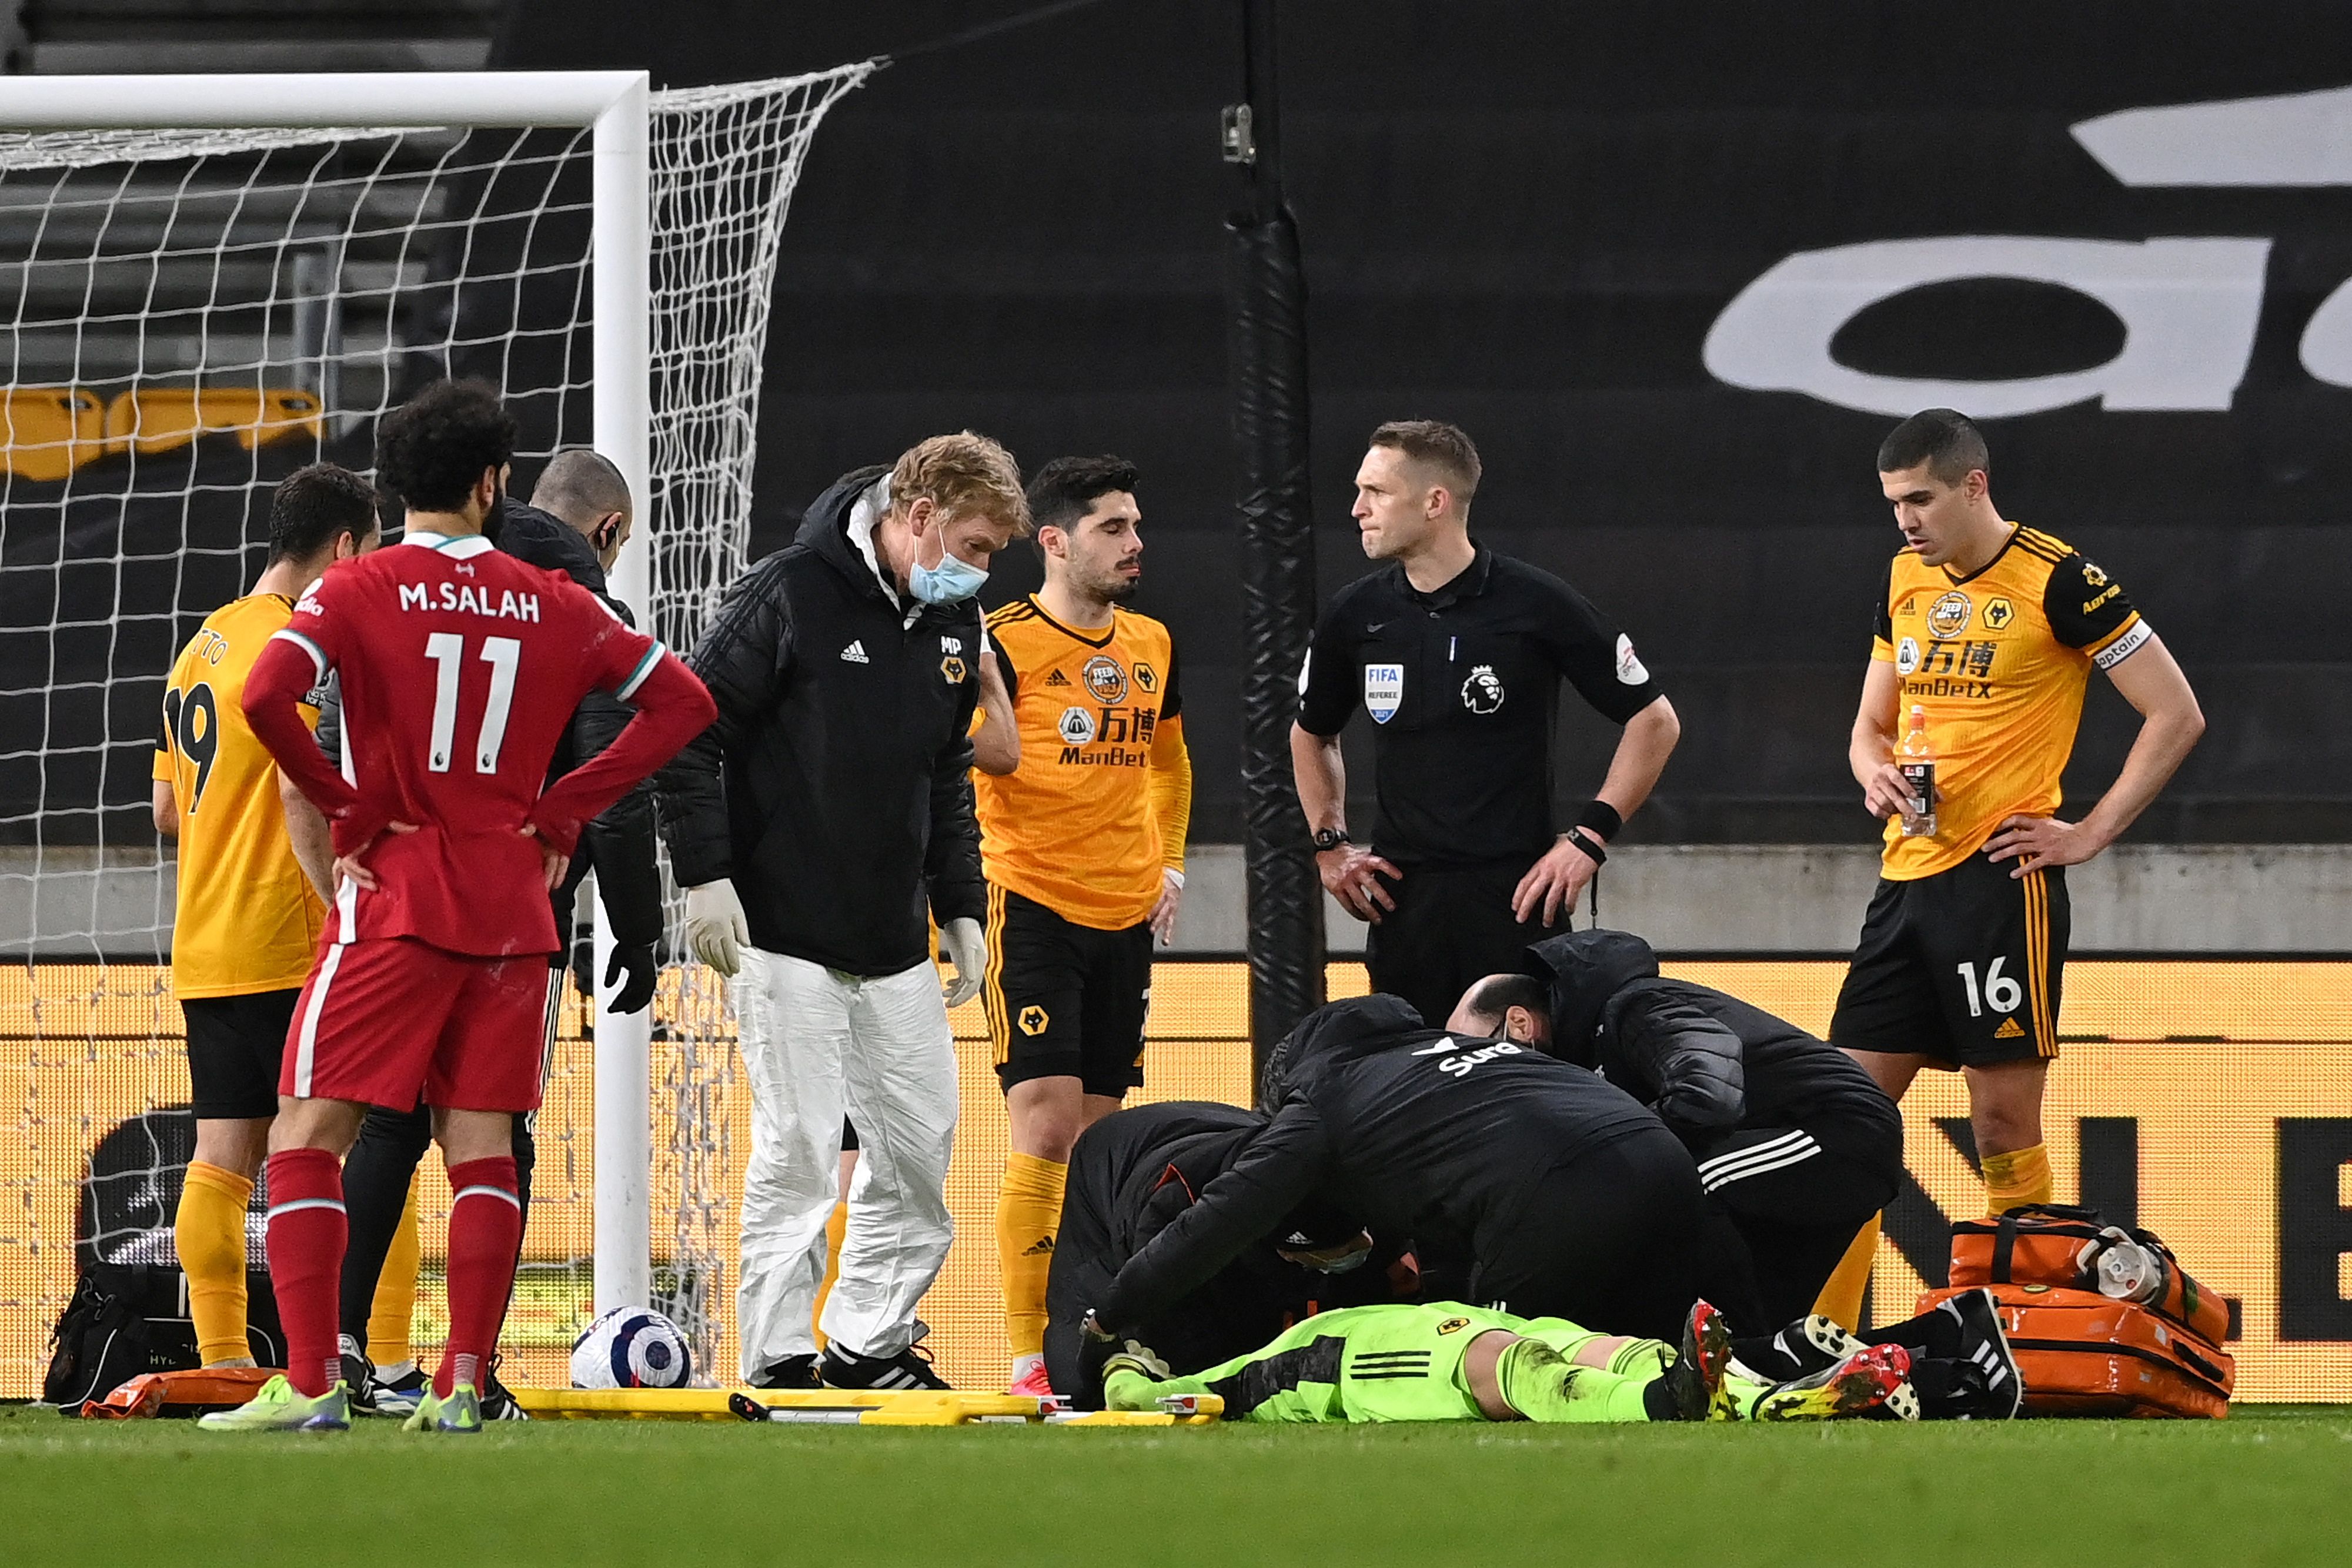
{"x":642,"y":971}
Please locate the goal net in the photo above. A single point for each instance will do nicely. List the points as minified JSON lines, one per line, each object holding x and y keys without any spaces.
{"x":188,"y":315}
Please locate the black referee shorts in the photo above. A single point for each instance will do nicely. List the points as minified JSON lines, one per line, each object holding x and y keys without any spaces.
{"x":236,"y":1045}
{"x":1963,"y":967}
{"x":1452,"y":927}
{"x":1065,"y":1000}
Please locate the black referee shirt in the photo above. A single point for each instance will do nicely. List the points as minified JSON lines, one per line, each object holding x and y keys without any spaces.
{"x":1462,"y":685}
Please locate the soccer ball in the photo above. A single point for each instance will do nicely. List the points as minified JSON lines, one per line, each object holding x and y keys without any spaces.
{"x":631,"y":1347}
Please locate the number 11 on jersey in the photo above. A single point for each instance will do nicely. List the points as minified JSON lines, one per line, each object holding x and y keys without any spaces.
{"x":448,"y":650}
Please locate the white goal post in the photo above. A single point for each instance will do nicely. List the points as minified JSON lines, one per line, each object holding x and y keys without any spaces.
{"x":650,"y":154}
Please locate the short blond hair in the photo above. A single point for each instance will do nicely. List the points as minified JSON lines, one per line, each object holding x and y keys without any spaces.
{"x":961,"y":475}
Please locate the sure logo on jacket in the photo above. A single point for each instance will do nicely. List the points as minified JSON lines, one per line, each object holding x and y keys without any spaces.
{"x":1458,"y":1063}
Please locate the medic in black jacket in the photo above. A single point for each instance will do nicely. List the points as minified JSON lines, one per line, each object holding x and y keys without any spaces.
{"x":1795,"y":1145}
{"x":812,"y":825}
{"x":1131,"y":1175}
{"x":1521,"y":1180}
{"x":836,"y":789}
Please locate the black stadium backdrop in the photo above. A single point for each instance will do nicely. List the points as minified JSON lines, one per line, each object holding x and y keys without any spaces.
{"x":1677,"y":268}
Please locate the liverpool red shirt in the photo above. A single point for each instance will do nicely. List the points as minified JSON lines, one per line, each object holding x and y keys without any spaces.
{"x":460,"y":667}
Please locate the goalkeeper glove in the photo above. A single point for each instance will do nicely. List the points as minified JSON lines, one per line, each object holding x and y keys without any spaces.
{"x":966,"y":949}
{"x":636,"y":962}
{"x":715,"y":931}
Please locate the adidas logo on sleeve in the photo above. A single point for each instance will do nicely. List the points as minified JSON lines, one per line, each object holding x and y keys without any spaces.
{"x":855,"y":653}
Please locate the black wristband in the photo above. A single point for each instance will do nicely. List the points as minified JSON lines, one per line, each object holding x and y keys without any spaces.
{"x":1602,"y":820}
{"x":1588,"y":845}
{"x":1328,"y":839}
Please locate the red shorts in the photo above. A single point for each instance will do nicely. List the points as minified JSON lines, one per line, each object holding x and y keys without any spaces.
{"x":388,"y":1020}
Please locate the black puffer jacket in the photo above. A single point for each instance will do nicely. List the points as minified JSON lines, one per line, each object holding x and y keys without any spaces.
{"x":835,"y":787}
{"x":1657,"y":1046}
{"x":1705,"y":1061}
{"x":1421,"y":1134}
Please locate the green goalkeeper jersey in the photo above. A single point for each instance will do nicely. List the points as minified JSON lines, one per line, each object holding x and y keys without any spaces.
{"x":1400,"y":1364}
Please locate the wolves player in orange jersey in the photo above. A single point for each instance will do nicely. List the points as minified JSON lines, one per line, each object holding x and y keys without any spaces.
{"x":1989,"y":629}
{"x":247,"y":924}
{"x":1083,"y":843}
{"x":460,"y":667}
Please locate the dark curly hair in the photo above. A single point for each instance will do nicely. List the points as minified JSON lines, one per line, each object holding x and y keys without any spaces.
{"x":313,"y":507}
{"x":431,"y":450}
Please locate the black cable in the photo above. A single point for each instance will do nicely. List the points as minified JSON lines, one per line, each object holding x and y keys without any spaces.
{"x":985,"y":30}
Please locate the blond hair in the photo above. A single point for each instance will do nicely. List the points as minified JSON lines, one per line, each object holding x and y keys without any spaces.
{"x":962,"y":474}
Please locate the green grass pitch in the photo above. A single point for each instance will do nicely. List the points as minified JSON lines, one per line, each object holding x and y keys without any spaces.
{"x":2270,"y":1486}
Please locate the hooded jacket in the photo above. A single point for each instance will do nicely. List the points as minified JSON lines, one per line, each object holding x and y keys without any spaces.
{"x":1133,"y":1174}
{"x":1421,"y":1134}
{"x":1708,"y":1062}
{"x":835,"y":789}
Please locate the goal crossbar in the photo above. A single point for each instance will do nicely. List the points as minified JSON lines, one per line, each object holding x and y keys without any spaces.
{"x":391,"y":100}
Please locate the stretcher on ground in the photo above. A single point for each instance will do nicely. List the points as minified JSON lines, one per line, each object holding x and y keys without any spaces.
{"x":821,"y":1406}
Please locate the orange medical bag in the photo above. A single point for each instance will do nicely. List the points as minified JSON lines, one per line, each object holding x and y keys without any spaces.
{"x":2082,"y":1353}
{"x":2062,"y":1245}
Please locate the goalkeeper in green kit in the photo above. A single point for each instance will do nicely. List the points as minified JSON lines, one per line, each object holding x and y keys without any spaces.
{"x":1446,"y":1362}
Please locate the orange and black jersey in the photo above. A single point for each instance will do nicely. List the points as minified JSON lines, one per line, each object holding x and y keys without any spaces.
{"x":1102,"y":798}
{"x":248,"y":919}
{"x":1998,"y":659}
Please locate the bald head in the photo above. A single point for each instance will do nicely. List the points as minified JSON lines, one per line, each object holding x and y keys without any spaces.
{"x":1504,"y":1007}
{"x":586,"y":492}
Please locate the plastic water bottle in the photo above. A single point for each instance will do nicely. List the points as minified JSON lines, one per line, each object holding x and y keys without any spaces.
{"x":1918,"y":762}
{"x":2127,"y":1272}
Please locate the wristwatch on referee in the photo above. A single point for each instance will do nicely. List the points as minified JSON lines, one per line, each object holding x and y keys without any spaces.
{"x":1330,"y":839}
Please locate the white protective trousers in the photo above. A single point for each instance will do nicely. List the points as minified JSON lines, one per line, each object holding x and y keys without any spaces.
{"x":818,"y":1043}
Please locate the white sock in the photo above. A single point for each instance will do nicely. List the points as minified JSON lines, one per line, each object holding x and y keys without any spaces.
{"x":1025,"y":1365}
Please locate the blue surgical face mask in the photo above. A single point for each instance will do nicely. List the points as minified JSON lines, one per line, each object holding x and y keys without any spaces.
{"x":950,"y":581}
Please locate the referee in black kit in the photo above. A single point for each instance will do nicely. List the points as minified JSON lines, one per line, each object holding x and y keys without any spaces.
{"x":1457,"y":651}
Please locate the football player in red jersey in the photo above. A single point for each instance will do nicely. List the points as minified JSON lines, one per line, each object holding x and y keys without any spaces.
{"x":460,"y":667}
